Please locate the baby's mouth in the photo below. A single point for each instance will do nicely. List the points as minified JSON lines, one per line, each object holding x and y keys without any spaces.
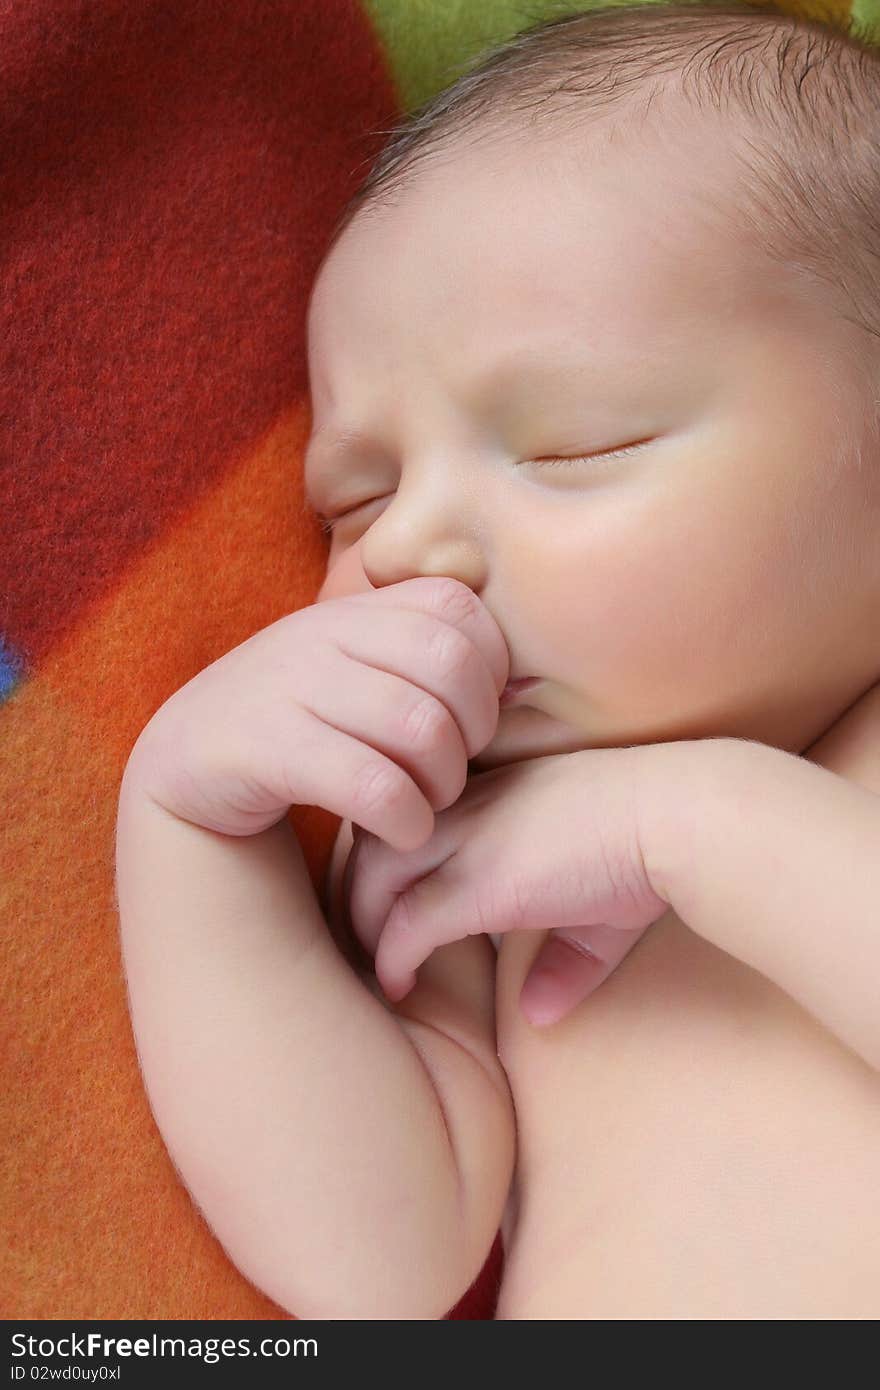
{"x":515,"y":688}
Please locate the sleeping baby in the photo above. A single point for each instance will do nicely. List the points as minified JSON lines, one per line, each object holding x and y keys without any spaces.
{"x":593,"y":684}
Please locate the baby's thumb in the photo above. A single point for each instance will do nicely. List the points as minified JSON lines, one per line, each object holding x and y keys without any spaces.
{"x":570,"y":965}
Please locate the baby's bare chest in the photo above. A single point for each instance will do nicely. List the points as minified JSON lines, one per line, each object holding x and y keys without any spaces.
{"x":690,"y":1145}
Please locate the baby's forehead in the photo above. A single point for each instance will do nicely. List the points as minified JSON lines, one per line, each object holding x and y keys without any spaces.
{"x":510,"y":186}
{"x":628,"y":242}
{"x":596,"y":230}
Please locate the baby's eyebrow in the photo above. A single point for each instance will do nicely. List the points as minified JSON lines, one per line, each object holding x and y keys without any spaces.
{"x":536,"y":362}
{"x":327,"y":442}
{"x":485,"y":394}
{"x":482,"y":387}
{"x":326,"y":453}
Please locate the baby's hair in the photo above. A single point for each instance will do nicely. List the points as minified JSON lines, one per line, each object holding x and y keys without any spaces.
{"x":801,"y":95}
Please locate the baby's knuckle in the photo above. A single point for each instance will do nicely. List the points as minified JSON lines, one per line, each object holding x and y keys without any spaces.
{"x":426,"y":722}
{"x":499,"y":898}
{"x":455,"y":601}
{"x":449,"y":652}
{"x":379,"y":786}
{"x":485,"y":914}
{"x":519,"y":899}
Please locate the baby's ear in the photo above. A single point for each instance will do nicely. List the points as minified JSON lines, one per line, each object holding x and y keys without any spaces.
{"x":851,"y":746}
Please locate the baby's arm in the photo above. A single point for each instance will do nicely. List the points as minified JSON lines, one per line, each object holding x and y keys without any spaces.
{"x":352,"y":1157}
{"x":776,"y":861}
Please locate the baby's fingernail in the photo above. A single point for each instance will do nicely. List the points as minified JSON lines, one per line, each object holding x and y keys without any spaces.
{"x":539,"y":999}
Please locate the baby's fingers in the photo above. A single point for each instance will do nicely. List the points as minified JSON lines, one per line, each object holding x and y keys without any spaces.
{"x":571,"y":964}
{"x":432,"y":912}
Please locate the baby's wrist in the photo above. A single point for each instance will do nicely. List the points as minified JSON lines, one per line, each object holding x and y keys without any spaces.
{"x":684,"y":789}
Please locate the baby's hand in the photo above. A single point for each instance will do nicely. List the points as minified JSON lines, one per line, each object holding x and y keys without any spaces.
{"x":551,"y":842}
{"x":369,"y":706}
{"x":850,"y":748}
{"x":561,"y":976}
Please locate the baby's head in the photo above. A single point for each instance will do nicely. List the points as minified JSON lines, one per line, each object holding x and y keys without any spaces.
{"x":600,"y":338}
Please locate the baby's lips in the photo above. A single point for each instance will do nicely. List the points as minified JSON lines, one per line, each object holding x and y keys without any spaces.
{"x":514,"y":688}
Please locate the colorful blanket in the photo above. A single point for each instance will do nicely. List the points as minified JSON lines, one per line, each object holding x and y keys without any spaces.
{"x":169,"y":175}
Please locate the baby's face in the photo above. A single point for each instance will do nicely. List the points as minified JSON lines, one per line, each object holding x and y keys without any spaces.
{"x":521,"y":305}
